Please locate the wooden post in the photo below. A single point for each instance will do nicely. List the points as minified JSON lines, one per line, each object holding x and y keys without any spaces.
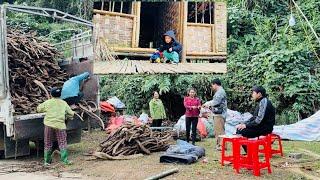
{"x":113,"y":4}
{"x":132,"y":8}
{"x":203,"y":10}
{"x":137,"y":31}
{"x":184,"y":19}
{"x":210,"y":11}
{"x":196,"y":13}
{"x":133,"y":39}
{"x":220,"y":23}
{"x":121,"y":6}
{"x":213,"y":39}
{"x":102,"y":5}
{"x":110,"y":5}
{"x":163,"y":174}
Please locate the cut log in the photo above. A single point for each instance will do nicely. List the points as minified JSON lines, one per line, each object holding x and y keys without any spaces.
{"x":163,"y":174}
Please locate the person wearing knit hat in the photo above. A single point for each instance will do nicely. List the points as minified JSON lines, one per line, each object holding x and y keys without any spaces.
{"x":56,"y":112}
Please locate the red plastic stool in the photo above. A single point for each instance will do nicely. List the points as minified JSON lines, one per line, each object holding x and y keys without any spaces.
{"x":233,"y":140}
{"x":271,"y":138}
{"x":251,"y":160}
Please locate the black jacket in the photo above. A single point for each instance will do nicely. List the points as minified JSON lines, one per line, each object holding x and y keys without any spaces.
{"x":175,"y":45}
{"x":263,"y":116}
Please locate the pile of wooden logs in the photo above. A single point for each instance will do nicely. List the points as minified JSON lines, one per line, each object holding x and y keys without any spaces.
{"x":32,"y":70}
{"x":130,"y":139}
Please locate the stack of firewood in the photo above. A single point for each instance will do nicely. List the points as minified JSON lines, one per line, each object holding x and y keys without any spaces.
{"x":130,"y":139}
{"x":32,"y":70}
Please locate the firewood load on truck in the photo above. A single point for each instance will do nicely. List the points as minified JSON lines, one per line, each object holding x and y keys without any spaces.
{"x":28,"y":70}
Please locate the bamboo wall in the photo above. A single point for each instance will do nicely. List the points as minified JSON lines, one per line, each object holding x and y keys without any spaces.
{"x":199,"y":38}
{"x":220,"y":22}
{"x":115,"y":29}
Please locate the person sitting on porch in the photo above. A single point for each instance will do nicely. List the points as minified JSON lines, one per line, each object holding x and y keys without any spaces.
{"x":170,"y":48}
{"x":71,"y":89}
{"x":263,"y":118}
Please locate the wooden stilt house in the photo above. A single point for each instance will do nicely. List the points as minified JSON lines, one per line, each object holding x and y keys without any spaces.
{"x":136,"y":28}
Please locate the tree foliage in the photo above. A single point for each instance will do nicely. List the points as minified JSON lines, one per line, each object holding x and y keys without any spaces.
{"x":263,"y":50}
{"x":136,"y":90}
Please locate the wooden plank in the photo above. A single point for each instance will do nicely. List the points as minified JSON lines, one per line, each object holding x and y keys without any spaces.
{"x":196,"y":12}
{"x":159,"y":68}
{"x":113,"y":67}
{"x":121,"y":6}
{"x":184,"y":30}
{"x":131,"y":54}
{"x":177,"y":68}
{"x":102,"y":5}
{"x":113,"y":5}
{"x":133,"y":36}
{"x":131,"y":68}
{"x":141,"y":68}
{"x":137,"y":67}
{"x":148,"y":68}
{"x":145,"y":67}
{"x":206,"y":54}
{"x":207,"y":68}
{"x":127,"y":68}
{"x":138,"y":12}
{"x":120,"y":66}
{"x":213,"y":39}
{"x":166,"y":67}
{"x":126,"y":49}
{"x":113,"y":13}
{"x":207,"y":57}
{"x":193,"y":68}
{"x":210,"y":12}
{"x":200,"y":25}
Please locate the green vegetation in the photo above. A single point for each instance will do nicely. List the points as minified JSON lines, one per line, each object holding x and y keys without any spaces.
{"x":263,"y":49}
{"x":52,"y":30}
{"x":136,"y":90}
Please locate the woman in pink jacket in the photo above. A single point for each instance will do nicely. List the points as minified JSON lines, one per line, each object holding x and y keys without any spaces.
{"x":192,"y":105}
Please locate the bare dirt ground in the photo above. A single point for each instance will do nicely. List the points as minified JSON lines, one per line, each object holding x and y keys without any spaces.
{"x":141,"y":168}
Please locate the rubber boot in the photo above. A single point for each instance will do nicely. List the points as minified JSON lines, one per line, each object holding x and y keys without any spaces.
{"x":64,"y":157}
{"x":47,"y":157}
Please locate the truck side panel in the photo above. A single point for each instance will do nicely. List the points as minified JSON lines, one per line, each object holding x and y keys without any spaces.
{"x":5,"y":102}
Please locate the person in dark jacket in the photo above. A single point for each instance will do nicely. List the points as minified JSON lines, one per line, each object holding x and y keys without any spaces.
{"x":170,"y":48}
{"x":263,"y":118}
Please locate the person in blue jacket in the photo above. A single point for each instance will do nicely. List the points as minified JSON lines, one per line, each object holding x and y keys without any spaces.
{"x":171,"y":48}
{"x":71,"y":89}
